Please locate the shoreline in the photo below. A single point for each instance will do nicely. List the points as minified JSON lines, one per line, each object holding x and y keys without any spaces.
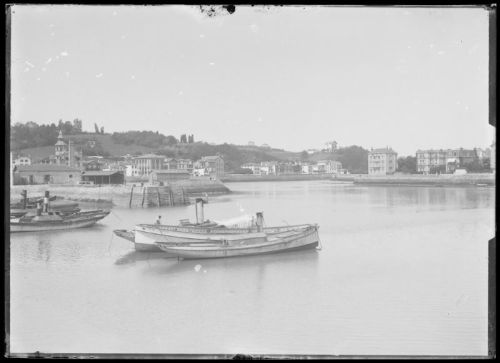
{"x":477,"y":180}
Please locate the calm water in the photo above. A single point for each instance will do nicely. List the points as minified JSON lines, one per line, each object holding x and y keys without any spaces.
{"x":402,"y":270}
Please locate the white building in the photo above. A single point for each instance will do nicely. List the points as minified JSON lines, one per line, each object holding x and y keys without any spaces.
{"x":329,"y":167}
{"x":382,"y":161}
{"x":21,"y":161}
{"x":132,"y":170}
{"x":307,"y":168}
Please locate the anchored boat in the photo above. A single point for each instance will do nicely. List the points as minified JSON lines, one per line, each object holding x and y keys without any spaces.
{"x":280,"y":242}
{"x":146,"y":236}
{"x":51,"y":221}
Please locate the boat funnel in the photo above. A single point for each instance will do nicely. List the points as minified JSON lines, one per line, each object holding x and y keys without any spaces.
{"x":200,"y":218}
{"x":260,"y":221}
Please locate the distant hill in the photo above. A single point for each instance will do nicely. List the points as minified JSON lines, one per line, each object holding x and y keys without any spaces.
{"x":38,"y":142}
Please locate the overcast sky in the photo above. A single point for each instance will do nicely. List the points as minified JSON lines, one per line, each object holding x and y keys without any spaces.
{"x":291,"y":77}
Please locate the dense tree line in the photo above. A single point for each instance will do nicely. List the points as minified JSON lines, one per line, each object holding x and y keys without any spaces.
{"x":353,"y":158}
{"x":144,"y":138}
{"x":407,"y":165}
{"x":31,"y":134}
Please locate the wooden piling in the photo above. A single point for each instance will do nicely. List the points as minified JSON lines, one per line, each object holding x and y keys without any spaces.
{"x":158,"y":195}
{"x":143,"y":195}
{"x":131,"y":194}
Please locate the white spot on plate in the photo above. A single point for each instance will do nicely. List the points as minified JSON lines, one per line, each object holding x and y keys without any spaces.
{"x":132,"y":77}
{"x":202,"y":35}
{"x":211,"y":63}
{"x":64,"y":54}
{"x":197,"y":268}
{"x":181,"y":93}
{"x":98,"y":75}
{"x":29,"y":64}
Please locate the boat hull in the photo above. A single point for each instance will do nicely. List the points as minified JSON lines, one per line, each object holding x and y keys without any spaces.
{"x":86,"y":220}
{"x":148,"y":246}
{"x":177,"y":234}
{"x":297,"y":241}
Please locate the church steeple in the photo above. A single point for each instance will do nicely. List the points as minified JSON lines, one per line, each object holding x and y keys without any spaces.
{"x":61,"y":150}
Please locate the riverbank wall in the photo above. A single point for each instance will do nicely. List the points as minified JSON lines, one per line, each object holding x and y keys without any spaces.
{"x":128,"y":195}
{"x":427,"y":180}
{"x":396,"y":179}
{"x":228,"y":178}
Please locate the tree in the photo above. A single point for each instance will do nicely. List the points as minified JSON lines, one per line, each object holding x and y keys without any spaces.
{"x":96,"y":128}
{"x":77,"y":125}
{"x":190,"y":139}
{"x":102,"y":130}
{"x":353,"y":158}
{"x":170,"y":140}
{"x":475,"y":166}
{"x":304,"y":155}
{"x":407,"y":165}
{"x":183,"y":139}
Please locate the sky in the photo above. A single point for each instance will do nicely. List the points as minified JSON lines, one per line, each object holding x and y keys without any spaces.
{"x":292,"y":77}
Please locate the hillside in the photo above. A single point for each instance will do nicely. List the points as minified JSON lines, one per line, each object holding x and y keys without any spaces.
{"x":38,"y":142}
{"x":104,"y":145}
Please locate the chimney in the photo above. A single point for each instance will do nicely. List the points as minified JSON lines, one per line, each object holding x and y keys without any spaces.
{"x":199,"y":211}
{"x":260,"y":221}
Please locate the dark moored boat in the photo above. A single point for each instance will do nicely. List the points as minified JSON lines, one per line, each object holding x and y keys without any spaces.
{"x":52,"y":221}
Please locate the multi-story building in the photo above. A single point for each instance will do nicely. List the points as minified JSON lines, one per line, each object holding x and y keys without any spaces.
{"x":131,"y":170}
{"x":254,"y":167}
{"x":382,"y":161}
{"x":289,"y":168}
{"x":268,"y":168}
{"x":328,"y":167}
{"x":170,"y":163}
{"x":21,"y":161}
{"x":185,"y":164}
{"x":431,"y":161}
{"x":458,"y":158}
{"x":147,"y":163}
{"x":213,"y":165}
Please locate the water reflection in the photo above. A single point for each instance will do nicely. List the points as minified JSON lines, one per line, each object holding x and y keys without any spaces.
{"x":136,"y":256}
{"x":44,"y":249}
{"x":441,"y":198}
{"x":285,"y":259}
